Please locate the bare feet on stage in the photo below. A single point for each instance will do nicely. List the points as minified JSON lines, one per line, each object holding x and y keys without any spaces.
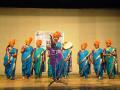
{"x":37,"y":77}
{"x":23,"y":77}
{"x":65,"y":77}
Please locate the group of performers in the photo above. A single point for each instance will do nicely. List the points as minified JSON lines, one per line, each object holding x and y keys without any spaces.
{"x":102,"y":59}
{"x":59,"y":59}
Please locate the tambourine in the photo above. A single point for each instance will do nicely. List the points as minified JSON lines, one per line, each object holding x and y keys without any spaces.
{"x":67,"y":45}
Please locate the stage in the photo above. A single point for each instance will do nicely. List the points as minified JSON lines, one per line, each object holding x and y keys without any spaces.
{"x":73,"y":82}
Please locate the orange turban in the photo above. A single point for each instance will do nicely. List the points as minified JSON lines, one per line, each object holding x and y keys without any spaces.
{"x":56,"y":34}
{"x":29,"y":40}
{"x":39,"y":42}
{"x":59,"y":34}
{"x":97,"y":42}
{"x":12,"y":41}
{"x":85,"y":44}
{"x":109,"y":41}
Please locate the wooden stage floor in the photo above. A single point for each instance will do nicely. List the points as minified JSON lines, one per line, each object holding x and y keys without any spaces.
{"x":73,"y":82}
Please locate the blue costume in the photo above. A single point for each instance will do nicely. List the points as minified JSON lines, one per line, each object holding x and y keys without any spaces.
{"x":110,"y":62}
{"x":66,"y":67}
{"x":84,"y":66}
{"x":38,"y":61}
{"x":98,"y":62}
{"x":10,"y":67}
{"x":49,"y":68}
{"x":27,"y":61}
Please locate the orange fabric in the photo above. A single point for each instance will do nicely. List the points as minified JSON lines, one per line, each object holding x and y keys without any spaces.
{"x":29,"y":40}
{"x":97,"y":42}
{"x":12,"y":41}
{"x":39,"y":42}
{"x":109,"y":41}
{"x":85,"y":43}
{"x":56,"y":34}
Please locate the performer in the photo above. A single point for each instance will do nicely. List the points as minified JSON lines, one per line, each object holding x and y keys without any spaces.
{"x":83,"y":61}
{"x":10,"y":60}
{"x":67,"y":57}
{"x":49,"y":66}
{"x":48,"y":44}
{"x":27,"y":51}
{"x":55,"y":55}
{"x":110,"y":58}
{"x":38,"y":59}
{"x":97,"y":57}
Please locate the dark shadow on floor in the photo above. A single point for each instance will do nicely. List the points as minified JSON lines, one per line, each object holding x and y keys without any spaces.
{"x":65,"y":88}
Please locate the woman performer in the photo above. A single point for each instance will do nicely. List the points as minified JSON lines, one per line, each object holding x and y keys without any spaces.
{"x":27,"y":51}
{"x":49,"y":66}
{"x":110,"y":58}
{"x":55,"y":55}
{"x":10,"y":60}
{"x":97,"y":57}
{"x":67,"y":57}
{"x":38,"y":59}
{"x":48,"y":55}
{"x":83,"y":61}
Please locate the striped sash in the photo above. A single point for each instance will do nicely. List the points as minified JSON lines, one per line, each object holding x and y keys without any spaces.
{"x":23,"y":60}
{"x":84,"y":58}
